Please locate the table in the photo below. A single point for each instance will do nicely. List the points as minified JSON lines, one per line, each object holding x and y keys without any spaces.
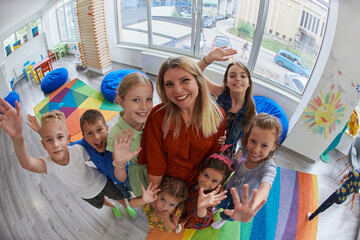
{"x":45,"y":65}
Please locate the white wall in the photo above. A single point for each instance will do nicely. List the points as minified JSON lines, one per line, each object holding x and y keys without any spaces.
{"x":340,"y":77}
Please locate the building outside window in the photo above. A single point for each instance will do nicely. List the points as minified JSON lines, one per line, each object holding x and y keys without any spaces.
{"x":195,"y":27}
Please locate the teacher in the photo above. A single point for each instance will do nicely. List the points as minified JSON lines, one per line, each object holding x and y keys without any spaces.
{"x":184,"y":129}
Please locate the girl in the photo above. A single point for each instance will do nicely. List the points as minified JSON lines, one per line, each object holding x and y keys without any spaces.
{"x":254,"y":167}
{"x":135,"y":96}
{"x":204,"y":195}
{"x":185,"y":128}
{"x":234,"y":96}
{"x":163,"y":206}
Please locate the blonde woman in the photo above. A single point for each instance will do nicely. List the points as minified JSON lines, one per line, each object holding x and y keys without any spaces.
{"x":185,"y":127}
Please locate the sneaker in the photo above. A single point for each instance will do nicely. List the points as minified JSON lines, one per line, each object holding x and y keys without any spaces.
{"x":308,"y":216}
{"x":218,"y":224}
{"x":117,"y":212}
{"x":215,"y":210}
{"x":132,"y":213}
{"x":178,"y":229}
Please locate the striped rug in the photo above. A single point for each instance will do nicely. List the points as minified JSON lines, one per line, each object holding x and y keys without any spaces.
{"x":292,"y":196}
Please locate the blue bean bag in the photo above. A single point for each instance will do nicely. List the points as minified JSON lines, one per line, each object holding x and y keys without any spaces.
{"x":12,"y":98}
{"x":112,"y":80}
{"x":54,"y":79}
{"x":266,"y":105}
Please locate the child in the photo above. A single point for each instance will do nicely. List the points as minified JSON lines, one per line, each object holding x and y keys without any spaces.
{"x":66,"y":163}
{"x":245,"y":49}
{"x":254,"y":165}
{"x":204,"y":195}
{"x":350,"y":184}
{"x":94,"y":131}
{"x":163,"y":207}
{"x":234,"y":95}
{"x":135,"y":96}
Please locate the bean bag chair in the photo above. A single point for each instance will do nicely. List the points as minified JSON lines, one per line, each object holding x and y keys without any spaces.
{"x":54,"y":79}
{"x":12,"y":97}
{"x":266,"y":105}
{"x":112,"y":80}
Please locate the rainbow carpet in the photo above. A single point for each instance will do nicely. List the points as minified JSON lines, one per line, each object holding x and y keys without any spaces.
{"x":292,"y":196}
{"x":73,"y":99}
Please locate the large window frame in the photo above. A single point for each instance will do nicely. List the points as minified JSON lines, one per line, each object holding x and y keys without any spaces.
{"x":67,"y":23}
{"x":311,"y":23}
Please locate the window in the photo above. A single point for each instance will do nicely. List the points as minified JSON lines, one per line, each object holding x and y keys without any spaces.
{"x":22,"y":35}
{"x":66,"y":21}
{"x":195,"y":27}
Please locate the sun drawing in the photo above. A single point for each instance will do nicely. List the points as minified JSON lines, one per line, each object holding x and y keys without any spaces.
{"x":323,"y":112}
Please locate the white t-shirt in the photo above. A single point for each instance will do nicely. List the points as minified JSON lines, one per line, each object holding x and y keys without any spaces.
{"x":77,"y":177}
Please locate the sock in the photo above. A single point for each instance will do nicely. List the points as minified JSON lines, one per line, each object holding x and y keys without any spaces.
{"x":132,"y":213}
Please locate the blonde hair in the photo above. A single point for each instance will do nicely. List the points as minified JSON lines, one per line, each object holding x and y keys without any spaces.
{"x":129,"y":81}
{"x":206,"y":116}
{"x":53,"y":116}
{"x":266,"y":122}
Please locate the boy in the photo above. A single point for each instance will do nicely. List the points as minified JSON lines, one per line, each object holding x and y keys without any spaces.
{"x":94,"y":131}
{"x":66,"y":163}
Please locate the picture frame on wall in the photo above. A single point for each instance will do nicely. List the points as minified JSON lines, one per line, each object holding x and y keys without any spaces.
{"x":8,"y":50}
{"x":35,"y":31}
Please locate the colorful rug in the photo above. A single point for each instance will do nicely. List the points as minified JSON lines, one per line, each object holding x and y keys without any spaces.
{"x":73,"y":99}
{"x":292,"y":196}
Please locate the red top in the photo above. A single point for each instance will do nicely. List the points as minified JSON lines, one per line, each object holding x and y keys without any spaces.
{"x":178,"y":157}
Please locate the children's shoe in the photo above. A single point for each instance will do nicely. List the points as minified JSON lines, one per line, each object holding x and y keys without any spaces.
{"x":178,"y":228}
{"x":117,"y":212}
{"x":132,"y":213}
{"x":218,"y":224}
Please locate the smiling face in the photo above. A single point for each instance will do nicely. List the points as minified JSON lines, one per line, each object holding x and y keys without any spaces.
{"x":55,"y":140}
{"x":137,"y":104}
{"x":260,"y":145}
{"x":209,"y":179}
{"x":165,"y":202}
{"x":237,"y":79}
{"x":181,"y":88}
{"x":95,"y":134}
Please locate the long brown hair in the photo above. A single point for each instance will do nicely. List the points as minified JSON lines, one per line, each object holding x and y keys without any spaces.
{"x":250,"y":110}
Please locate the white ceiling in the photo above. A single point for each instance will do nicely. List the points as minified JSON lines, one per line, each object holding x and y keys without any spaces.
{"x":15,"y":11}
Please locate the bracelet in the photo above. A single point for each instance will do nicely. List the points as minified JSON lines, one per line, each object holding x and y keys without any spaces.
{"x":119,"y":166}
{"x":205,"y":61}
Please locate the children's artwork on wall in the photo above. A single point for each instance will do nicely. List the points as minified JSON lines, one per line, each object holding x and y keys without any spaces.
{"x":325,"y":112}
{"x":17,"y":44}
{"x":35,"y":31}
{"x":8,"y":50}
{"x":25,"y":38}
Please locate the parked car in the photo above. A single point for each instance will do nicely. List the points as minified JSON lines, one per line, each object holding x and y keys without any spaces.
{"x":187,"y":44}
{"x":209,"y":22}
{"x":295,"y":82}
{"x":221,"y":41}
{"x":220,"y":17}
{"x":292,"y":62}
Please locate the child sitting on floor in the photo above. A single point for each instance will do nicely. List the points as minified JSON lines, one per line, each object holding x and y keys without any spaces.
{"x":204,"y":195}
{"x":66,"y":163}
{"x":163,"y":206}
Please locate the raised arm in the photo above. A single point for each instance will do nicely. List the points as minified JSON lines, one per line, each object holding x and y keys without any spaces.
{"x":148,"y":196}
{"x":244,"y":211}
{"x":11,"y":122}
{"x":218,"y":54}
{"x":34,"y":123}
{"x":122,"y":154}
